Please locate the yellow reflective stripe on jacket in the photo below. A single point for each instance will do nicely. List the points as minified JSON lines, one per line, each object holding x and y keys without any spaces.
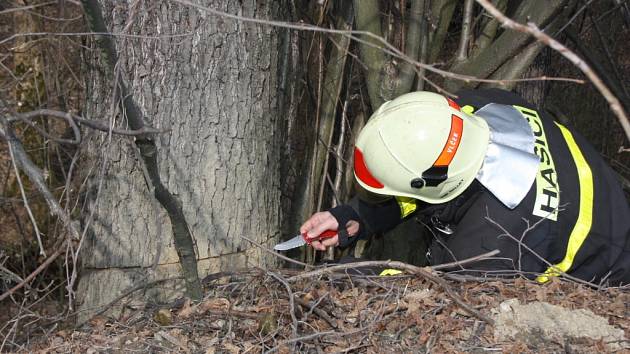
{"x":407,"y":206}
{"x":585,"y":216}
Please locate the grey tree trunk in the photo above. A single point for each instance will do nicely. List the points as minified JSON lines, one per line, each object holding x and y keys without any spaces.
{"x":215,"y":89}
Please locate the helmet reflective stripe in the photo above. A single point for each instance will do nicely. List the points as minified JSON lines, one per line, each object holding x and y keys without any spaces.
{"x":438,"y":173}
{"x":453,"y":104}
{"x":362,"y":172}
{"x":454,"y":137}
{"x":414,"y":146}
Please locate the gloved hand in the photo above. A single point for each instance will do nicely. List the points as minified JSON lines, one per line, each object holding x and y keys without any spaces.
{"x":330,"y":220}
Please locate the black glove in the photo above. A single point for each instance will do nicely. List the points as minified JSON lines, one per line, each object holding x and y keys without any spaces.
{"x":343,"y":214}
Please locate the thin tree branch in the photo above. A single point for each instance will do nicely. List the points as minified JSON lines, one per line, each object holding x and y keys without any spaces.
{"x":31,"y":276}
{"x":534,"y":31}
{"x":466,"y":261}
{"x":26,"y":204}
{"x":72,"y":118}
{"x":33,"y":172}
{"x":291,"y":300}
{"x":322,"y":314}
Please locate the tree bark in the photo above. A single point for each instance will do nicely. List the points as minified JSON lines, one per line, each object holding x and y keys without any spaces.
{"x":215,"y":88}
{"x":148,"y":150}
{"x":413,"y":42}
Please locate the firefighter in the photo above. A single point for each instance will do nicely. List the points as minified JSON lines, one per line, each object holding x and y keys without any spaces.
{"x":487,"y":171}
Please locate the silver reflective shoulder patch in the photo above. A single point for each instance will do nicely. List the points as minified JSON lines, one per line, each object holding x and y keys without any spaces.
{"x":510,"y":165}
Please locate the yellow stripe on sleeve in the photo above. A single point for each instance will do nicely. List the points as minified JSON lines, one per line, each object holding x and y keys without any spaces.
{"x":585,"y":216}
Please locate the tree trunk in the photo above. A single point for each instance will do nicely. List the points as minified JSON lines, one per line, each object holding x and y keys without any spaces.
{"x":215,"y":89}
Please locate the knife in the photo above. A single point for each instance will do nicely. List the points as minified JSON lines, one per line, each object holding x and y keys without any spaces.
{"x":301,"y":239}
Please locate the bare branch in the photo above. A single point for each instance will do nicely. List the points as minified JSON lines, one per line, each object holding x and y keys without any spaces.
{"x":466,"y":261}
{"x":26,"y":204}
{"x":21,"y":160}
{"x":33,"y":172}
{"x":533,"y":30}
{"x":27,"y":118}
{"x":31,"y":276}
{"x":283,"y":281}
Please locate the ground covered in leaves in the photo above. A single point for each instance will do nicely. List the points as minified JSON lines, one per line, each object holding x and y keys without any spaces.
{"x":251,"y":312}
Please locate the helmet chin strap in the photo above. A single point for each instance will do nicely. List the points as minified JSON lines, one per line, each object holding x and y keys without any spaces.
{"x":510,"y":166}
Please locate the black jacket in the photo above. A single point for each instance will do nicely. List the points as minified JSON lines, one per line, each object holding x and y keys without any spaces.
{"x":593,"y":216}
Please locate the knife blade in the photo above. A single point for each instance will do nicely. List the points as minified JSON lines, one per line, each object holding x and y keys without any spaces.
{"x":301,"y":240}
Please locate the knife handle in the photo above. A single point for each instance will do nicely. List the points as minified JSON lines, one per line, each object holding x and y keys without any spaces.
{"x":324,"y":235}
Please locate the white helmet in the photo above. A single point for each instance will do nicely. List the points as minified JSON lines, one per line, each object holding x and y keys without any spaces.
{"x":420,"y":145}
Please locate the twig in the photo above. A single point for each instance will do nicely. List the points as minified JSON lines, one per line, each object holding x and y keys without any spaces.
{"x":33,"y":172}
{"x":466,"y":261}
{"x":291,"y":300}
{"x":533,"y":30}
{"x":27,"y":117}
{"x":26,"y":204}
{"x":70,"y":118}
{"x":423,"y":272}
{"x":10,"y":274}
{"x":34,"y":273}
{"x":235,"y":313}
{"x":322,"y":314}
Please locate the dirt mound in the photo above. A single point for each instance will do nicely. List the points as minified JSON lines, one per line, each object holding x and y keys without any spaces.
{"x":264,"y":311}
{"x":538,"y":322}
